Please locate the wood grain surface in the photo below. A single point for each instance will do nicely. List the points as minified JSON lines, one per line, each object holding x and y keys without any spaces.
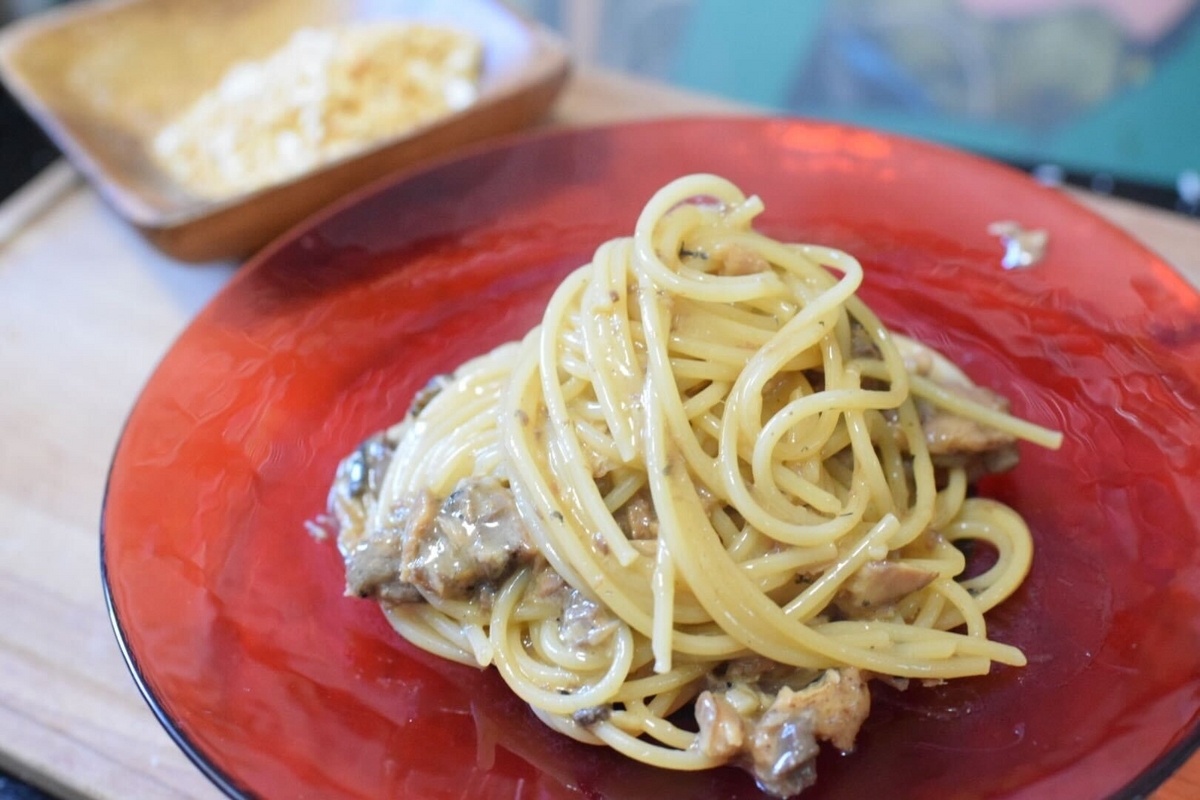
{"x":86,"y":310}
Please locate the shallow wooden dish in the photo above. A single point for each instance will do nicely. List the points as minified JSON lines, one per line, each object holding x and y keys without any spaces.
{"x":102,"y":78}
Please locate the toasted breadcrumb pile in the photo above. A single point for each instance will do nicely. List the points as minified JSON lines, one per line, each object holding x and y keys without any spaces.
{"x":326,"y":94}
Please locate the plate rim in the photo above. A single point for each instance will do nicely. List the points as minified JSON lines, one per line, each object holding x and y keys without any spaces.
{"x":194,"y":753}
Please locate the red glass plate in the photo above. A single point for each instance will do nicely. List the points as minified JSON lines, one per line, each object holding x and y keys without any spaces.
{"x":233,"y":618}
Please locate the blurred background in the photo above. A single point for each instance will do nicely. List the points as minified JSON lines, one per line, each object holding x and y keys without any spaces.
{"x":1104,"y":92}
{"x":1100,"y":93}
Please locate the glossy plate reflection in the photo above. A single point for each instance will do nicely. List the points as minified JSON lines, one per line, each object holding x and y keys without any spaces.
{"x":278,"y":686}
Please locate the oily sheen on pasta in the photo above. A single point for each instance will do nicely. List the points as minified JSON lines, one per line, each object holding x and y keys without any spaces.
{"x":710,"y":480}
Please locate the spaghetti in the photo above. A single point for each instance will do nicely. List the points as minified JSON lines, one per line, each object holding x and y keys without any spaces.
{"x":711,"y":478}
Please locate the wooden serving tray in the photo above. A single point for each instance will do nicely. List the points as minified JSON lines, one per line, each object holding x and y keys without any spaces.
{"x":103,"y":77}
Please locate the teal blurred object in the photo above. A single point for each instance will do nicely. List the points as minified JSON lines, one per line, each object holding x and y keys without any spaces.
{"x":1064,"y":87}
{"x":1151,"y":132}
{"x":752,"y":55}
